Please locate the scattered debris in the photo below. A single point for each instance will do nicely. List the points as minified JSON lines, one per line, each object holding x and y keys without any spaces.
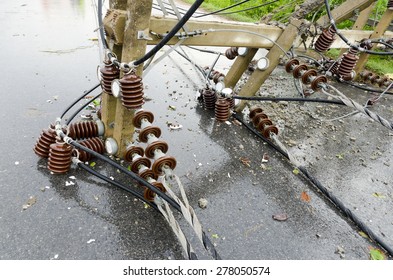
{"x":363,"y":234}
{"x":69,"y":183}
{"x":245,"y":161}
{"x":16,"y":162}
{"x":236,"y":122}
{"x":31,"y":201}
{"x":376,"y":254}
{"x":340,"y":156}
{"x":280,"y":217}
{"x":202,"y":203}
{"x":305,"y":197}
{"x":378,"y":195}
{"x":215,"y":235}
{"x":91,"y":241}
{"x":265,"y":158}
{"x":296,"y":171}
{"x":172,"y":108}
{"x":340,"y":251}
{"x":175,"y":126}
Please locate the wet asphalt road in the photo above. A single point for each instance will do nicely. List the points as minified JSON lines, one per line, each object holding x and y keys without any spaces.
{"x":50,"y":59}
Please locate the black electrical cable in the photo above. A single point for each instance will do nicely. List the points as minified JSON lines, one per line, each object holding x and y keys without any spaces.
{"x":69,"y":120}
{"x":206,"y":241}
{"x":248,"y":9}
{"x":346,"y":41}
{"x":171,"y":33}
{"x":334,"y":200}
{"x":223,"y":9}
{"x":163,"y":195}
{"x":101,"y":24}
{"x":191,"y":256}
{"x":379,"y":41}
{"x":278,"y":99}
{"x":117,"y":184}
{"x":367,"y":88}
{"x":79,"y":99}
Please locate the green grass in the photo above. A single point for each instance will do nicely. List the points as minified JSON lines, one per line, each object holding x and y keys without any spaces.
{"x":376,"y":63}
{"x":284,"y":8}
{"x":253,"y":15}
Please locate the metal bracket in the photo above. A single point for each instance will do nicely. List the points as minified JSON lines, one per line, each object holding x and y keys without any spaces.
{"x":143,"y":36}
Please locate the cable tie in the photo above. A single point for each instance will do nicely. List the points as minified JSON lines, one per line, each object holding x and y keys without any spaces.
{"x":158,"y":200}
{"x":76,"y":159}
{"x":67,"y":139}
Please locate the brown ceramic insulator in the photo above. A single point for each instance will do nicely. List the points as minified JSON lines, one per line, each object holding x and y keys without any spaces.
{"x":147,"y":173}
{"x":60,"y":155}
{"x":217,"y":77}
{"x":143,"y":134}
{"x":222,"y":111}
{"x":95,"y":144}
{"x":258,"y":117}
{"x":254,"y":111}
{"x":131,"y":151}
{"x":374,"y":78}
{"x":308,"y":76}
{"x":316,"y":83}
{"x":84,"y":129}
{"x":390,"y":5}
{"x":131,"y":91}
{"x":149,"y":194}
{"x":231,"y":102}
{"x":231,"y":53}
{"x":334,"y":67}
{"x":140,"y":115}
{"x":165,"y":161}
{"x":156,"y":145}
{"x":268,"y":130}
{"x":263,"y":123}
{"x":382,"y":81}
{"x":299,"y":70}
{"x":366,"y":75}
{"x":291,"y":64}
{"x":109,"y":72}
{"x":47,"y":137}
{"x":325,"y":40}
{"x":348,"y":63}
{"x":366,"y":44}
{"x":136,"y":163}
{"x":211,"y":73}
{"x":99,"y":113}
{"x":209,"y":99}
